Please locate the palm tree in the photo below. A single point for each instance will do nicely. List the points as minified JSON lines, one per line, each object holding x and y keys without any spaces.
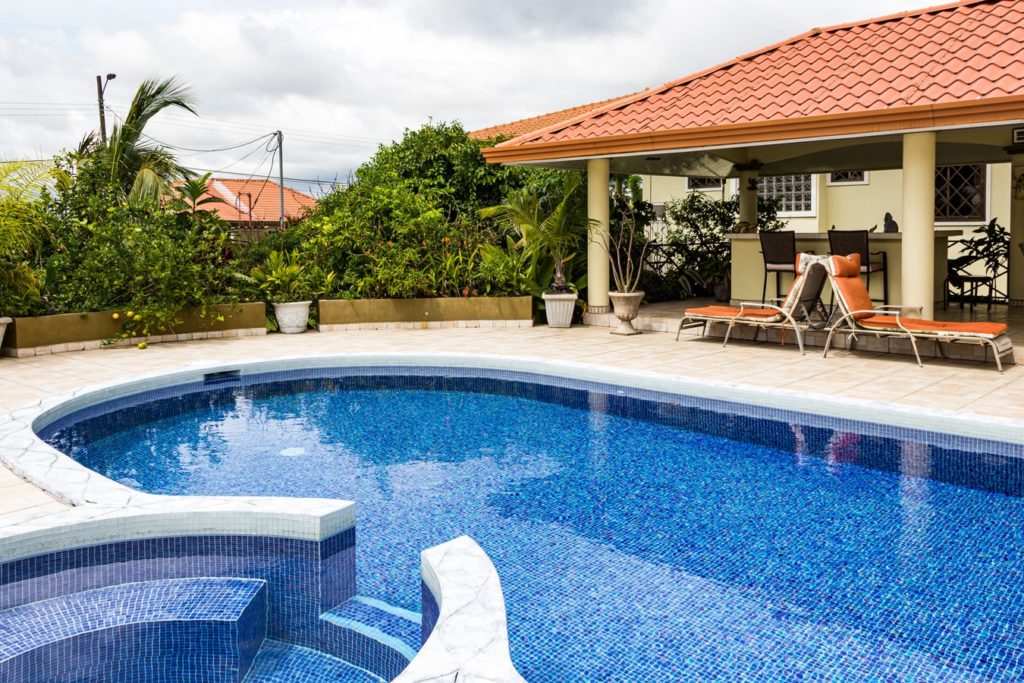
{"x":557,"y":234}
{"x":144,"y":172}
{"x":194,"y":192}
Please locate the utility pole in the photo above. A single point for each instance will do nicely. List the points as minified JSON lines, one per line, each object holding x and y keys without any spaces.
{"x":101,"y":87}
{"x":280,"y":171}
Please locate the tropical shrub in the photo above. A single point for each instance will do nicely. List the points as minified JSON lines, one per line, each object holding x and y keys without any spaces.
{"x":695,"y":250}
{"x":155,"y":263}
{"x":408,"y":224}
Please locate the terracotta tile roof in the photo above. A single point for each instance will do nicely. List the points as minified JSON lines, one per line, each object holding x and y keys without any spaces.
{"x":257,"y":200}
{"x":522,"y":126}
{"x":949,"y":58}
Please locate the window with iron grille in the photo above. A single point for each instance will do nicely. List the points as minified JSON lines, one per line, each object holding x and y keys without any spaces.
{"x":703,"y":183}
{"x":960,"y":193}
{"x":794,"y":192}
{"x":848,"y":178}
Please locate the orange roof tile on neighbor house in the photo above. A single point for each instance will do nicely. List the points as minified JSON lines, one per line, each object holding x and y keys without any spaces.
{"x":951,"y":65}
{"x":256,"y":201}
{"x":522,"y":126}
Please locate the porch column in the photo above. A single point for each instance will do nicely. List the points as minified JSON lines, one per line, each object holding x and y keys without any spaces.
{"x":597,"y":246}
{"x":918,"y":280}
{"x":748,"y":192}
{"x":1016,"y":277}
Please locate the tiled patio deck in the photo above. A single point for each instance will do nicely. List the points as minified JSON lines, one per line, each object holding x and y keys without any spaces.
{"x":971,"y":388}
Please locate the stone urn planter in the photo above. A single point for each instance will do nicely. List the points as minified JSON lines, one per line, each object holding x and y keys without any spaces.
{"x":292,"y":317}
{"x":4,"y":322}
{"x":559,"y":308}
{"x":626,"y":306}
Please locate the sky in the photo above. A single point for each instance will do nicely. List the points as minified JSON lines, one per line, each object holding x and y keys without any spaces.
{"x":340,"y":78}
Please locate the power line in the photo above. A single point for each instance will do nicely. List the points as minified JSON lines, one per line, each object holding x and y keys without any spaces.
{"x":204,"y":151}
{"x":249,"y":175}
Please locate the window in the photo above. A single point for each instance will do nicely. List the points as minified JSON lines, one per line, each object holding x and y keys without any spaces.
{"x":794,"y":192}
{"x":960,"y":193}
{"x":848,"y":178}
{"x":703,"y":183}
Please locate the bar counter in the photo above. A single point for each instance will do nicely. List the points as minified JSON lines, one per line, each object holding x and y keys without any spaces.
{"x":748,"y":266}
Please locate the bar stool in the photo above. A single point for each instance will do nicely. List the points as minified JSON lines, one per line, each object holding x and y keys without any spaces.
{"x":779,"y":252}
{"x":846,"y":242}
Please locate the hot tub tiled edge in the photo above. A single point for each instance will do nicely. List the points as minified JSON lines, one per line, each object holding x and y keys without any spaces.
{"x":464,"y":610}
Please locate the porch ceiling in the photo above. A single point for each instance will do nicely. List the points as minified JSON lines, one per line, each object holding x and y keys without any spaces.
{"x":881,"y":152}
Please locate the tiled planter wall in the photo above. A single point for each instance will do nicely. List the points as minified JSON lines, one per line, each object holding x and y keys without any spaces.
{"x":41,"y":335}
{"x":370,"y":314}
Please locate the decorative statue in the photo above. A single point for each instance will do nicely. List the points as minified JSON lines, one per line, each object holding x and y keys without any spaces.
{"x":890,"y":224}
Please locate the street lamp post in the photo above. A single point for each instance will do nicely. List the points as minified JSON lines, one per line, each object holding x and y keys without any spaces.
{"x":101,"y":87}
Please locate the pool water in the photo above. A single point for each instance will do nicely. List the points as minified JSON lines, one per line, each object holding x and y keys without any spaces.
{"x":638,"y":536}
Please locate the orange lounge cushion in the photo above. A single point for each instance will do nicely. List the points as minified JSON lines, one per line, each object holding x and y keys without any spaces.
{"x":731,"y":312}
{"x":935,"y":326}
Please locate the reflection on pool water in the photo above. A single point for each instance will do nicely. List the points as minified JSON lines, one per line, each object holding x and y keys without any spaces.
{"x":639,"y":537}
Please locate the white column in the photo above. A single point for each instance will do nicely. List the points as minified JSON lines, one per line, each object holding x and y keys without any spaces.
{"x":748,"y":195}
{"x":918,"y":279}
{"x":1016,"y":278}
{"x":597,"y":246}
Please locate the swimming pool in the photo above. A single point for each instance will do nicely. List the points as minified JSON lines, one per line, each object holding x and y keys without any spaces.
{"x":638,"y":536}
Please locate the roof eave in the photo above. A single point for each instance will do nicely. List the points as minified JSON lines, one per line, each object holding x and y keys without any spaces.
{"x":846,"y":124}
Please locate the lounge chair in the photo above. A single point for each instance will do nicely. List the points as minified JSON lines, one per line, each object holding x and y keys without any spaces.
{"x":804,"y":294}
{"x":858,"y":314}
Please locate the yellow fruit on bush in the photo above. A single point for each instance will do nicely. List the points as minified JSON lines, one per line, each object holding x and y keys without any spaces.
{"x":137,"y":317}
{"x":116,"y":316}
{"x":143,"y":345}
{"x":131,"y":314}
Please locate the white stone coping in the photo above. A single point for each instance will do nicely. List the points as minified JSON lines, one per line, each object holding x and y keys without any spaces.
{"x":470,"y":639}
{"x":36,"y":461}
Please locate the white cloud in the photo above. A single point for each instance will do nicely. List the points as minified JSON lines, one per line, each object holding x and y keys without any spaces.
{"x":337,"y":77}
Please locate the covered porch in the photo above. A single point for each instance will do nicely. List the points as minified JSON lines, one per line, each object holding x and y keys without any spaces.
{"x":896,"y":92}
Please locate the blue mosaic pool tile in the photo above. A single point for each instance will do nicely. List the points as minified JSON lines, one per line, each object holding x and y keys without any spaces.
{"x":292,"y":568}
{"x":639,"y":535}
{"x":182,"y":629}
{"x":372,"y":635}
{"x":431,"y":611}
{"x":279,"y":662}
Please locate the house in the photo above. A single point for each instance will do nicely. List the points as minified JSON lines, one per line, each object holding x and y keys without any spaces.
{"x":918,"y":114}
{"x":256,"y":203}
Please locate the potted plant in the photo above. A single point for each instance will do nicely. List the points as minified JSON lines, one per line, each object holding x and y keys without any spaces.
{"x":550,"y":240}
{"x":626,"y":247}
{"x":290,"y":286}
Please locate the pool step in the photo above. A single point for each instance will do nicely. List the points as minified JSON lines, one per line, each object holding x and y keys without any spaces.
{"x":373,"y":635}
{"x":155,"y":631}
{"x":279,"y":662}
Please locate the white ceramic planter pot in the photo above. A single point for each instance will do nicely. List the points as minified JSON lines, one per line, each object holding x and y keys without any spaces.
{"x":292,"y":317}
{"x":4,"y":322}
{"x":559,"y":308}
{"x":626,"y":306}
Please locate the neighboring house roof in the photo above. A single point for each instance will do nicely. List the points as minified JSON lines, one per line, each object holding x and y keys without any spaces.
{"x":522,"y":126}
{"x":953,"y":64}
{"x":258,"y":201}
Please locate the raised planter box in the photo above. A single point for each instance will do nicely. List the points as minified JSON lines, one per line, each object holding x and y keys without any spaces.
{"x":369,"y":314}
{"x":41,"y":335}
